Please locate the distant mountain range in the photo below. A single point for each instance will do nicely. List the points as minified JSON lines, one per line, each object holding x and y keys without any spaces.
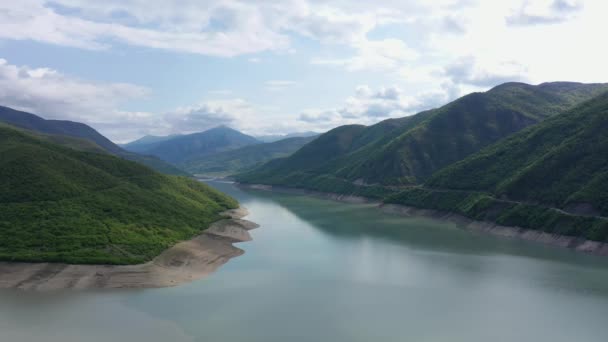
{"x":61,"y":204}
{"x":220,"y":150}
{"x":230,"y":162}
{"x":197,"y":145}
{"x":60,"y":128}
{"x":277,"y":137}
{"x":146,"y":142}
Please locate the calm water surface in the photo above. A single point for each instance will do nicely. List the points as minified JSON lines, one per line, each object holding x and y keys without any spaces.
{"x":324,"y":271}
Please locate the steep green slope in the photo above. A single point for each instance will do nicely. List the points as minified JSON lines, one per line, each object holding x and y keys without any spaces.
{"x":200,"y":145}
{"x":560,"y":162}
{"x":63,"y":205}
{"x":155,"y":163}
{"x":552,"y":177}
{"x":78,"y":130}
{"x":297,"y":170}
{"x":56,"y":127}
{"x":460,"y":129}
{"x":78,"y":144}
{"x":409,"y":150}
{"x":226,"y":163}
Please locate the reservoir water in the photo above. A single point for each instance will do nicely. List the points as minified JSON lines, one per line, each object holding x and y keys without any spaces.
{"x":319,"y":270}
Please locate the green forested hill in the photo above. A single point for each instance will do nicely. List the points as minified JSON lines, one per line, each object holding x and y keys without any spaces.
{"x":561,"y":162}
{"x":63,"y":205}
{"x":62,"y":129}
{"x":408,"y":151}
{"x":226,"y":163}
{"x":552,"y":177}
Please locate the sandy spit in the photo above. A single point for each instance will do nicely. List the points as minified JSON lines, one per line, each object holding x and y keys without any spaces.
{"x":577,"y":244}
{"x":185,"y":262}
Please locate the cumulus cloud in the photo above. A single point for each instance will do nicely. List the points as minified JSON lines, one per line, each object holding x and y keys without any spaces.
{"x":196,"y":119}
{"x":453,"y":24}
{"x":222,"y":28}
{"x":538,"y":12}
{"x":53,"y":95}
{"x":218,"y":28}
{"x":467,"y":70}
{"x":385,"y":54}
{"x":369,"y":106}
{"x":209,"y":114}
{"x":57,"y":96}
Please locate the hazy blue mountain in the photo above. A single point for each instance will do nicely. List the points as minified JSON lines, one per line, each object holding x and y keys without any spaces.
{"x":277,"y":137}
{"x":229,"y":162}
{"x":200,"y":145}
{"x":145,"y":143}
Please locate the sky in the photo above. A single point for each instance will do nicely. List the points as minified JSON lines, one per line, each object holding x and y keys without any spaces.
{"x":155,"y":67}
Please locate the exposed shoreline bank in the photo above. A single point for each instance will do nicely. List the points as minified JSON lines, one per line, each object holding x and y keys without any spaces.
{"x":185,"y":262}
{"x":563,"y":241}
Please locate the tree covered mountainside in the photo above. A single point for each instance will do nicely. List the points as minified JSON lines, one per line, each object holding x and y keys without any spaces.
{"x":552,"y":176}
{"x":407,"y":151}
{"x":59,"y":204}
{"x":562,"y":162}
{"x":196,"y":146}
{"x":61,"y":128}
{"x":227,"y":163}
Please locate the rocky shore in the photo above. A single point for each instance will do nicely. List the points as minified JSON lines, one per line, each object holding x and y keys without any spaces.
{"x":577,"y":244}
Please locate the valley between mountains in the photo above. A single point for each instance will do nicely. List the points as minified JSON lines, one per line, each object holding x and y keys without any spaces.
{"x":518,"y":155}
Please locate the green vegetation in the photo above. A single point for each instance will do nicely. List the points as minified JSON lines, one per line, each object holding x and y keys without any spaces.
{"x":227,"y":163}
{"x":154,"y":163}
{"x":551,"y":177}
{"x":519,"y":155}
{"x":63,"y":205}
{"x":408,"y":151}
{"x":561,"y":162}
{"x":61,"y":131}
{"x":484,"y":207}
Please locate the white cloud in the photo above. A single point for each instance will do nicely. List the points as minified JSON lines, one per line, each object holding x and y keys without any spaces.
{"x":539,"y":12}
{"x":54,"y":95}
{"x":431,"y":51}
{"x":219,"y":28}
{"x":200,"y":118}
{"x":385,"y":54}
{"x":223,"y":28}
{"x":468,"y":71}
{"x":369,"y":106}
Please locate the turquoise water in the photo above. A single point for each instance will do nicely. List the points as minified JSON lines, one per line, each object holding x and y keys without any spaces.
{"x":319,"y":270}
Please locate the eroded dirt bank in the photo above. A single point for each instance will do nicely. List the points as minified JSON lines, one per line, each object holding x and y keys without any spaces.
{"x":185,"y":262}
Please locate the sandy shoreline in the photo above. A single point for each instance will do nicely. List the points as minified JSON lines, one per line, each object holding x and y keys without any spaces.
{"x":185,"y":262}
{"x":574,"y":243}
